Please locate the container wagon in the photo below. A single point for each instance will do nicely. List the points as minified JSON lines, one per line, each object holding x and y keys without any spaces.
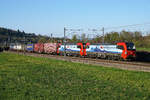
{"x":39,"y":47}
{"x":30,"y":48}
{"x":50,"y":48}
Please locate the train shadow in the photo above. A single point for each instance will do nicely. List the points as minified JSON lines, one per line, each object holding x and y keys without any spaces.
{"x":143,"y":56}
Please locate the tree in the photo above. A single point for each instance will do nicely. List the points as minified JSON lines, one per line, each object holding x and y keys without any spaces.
{"x":97,"y":39}
{"x":112,"y":37}
{"x":83,"y":37}
{"x":74,"y":38}
{"x":126,"y":36}
{"x":42,"y":40}
{"x":137,"y":35}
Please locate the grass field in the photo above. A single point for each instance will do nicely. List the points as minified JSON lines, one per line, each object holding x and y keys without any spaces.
{"x":31,"y":78}
{"x":143,"y":49}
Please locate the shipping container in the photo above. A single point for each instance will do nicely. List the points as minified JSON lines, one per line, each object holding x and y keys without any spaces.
{"x":39,"y":47}
{"x":50,"y":48}
{"x":30,"y":47}
{"x":11,"y":46}
{"x":18,"y":47}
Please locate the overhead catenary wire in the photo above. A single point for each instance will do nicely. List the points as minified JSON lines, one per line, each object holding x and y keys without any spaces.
{"x":71,"y":31}
{"x":133,"y":25}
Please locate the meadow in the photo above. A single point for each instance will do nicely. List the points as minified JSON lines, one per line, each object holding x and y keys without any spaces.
{"x":35,"y":78}
{"x":143,"y":49}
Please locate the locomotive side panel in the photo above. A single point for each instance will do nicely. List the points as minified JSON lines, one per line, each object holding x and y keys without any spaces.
{"x":71,"y":50}
{"x":104,"y":51}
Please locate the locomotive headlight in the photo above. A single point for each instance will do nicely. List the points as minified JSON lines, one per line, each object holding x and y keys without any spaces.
{"x":133,"y":47}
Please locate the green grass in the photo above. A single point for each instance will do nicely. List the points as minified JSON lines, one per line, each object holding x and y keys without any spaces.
{"x":143,"y":49}
{"x":31,"y":78}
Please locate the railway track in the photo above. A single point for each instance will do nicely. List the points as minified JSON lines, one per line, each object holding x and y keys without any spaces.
{"x":126,"y":65}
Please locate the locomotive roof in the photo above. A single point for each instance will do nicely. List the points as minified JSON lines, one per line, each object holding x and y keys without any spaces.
{"x":70,"y":43}
{"x":102,"y":44}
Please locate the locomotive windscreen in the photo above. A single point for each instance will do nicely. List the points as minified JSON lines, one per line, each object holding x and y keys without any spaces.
{"x":130,"y":46}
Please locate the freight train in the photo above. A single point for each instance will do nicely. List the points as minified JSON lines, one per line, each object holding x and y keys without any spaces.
{"x":121,"y":50}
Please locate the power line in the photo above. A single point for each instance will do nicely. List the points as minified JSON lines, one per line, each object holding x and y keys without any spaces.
{"x":133,"y":25}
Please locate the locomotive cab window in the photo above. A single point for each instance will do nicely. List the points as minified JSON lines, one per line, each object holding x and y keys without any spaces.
{"x":79,"y":46}
{"x":120,"y":47}
{"x":130,"y":46}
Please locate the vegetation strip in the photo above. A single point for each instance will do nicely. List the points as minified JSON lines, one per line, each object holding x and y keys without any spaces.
{"x":106,"y":63}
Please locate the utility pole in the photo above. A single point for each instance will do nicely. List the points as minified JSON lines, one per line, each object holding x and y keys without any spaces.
{"x":24,"y":44}
{"x":64,"y":42}
{"x":65,"y":30}
{"x":52,"y":37}
{"x":103,"y":35}
{"x":9,"y":40}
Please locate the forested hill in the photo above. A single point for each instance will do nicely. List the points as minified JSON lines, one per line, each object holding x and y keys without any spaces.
{"x":9,"y":35}
{"x":16,"y":36}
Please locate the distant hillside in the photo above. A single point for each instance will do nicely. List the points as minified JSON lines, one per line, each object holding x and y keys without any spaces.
{"x":9,"y":35}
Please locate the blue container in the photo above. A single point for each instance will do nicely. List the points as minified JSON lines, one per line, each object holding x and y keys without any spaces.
{"x":30,"y":47}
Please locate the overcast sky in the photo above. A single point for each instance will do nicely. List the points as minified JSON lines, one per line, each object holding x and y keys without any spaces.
{"x":51,"y":16}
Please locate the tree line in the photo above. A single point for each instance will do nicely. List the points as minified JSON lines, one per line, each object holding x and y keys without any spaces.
{"x":17,"y":36}
{"x":113,"y":37}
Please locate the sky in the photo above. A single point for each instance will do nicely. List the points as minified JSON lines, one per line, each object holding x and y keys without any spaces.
{"x":51,"y":16}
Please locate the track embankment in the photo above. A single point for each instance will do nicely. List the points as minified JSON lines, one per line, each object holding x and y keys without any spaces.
{"x":126,"y":65}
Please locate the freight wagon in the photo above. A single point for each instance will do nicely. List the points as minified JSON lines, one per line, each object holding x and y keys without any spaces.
{"x":39,"y":47}
{"x":50,"y":48}
{"x":17,"y":47}
{"x":30,"y":47}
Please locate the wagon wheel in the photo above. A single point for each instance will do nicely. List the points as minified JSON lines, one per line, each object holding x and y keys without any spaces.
{"x":39,"y":51}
